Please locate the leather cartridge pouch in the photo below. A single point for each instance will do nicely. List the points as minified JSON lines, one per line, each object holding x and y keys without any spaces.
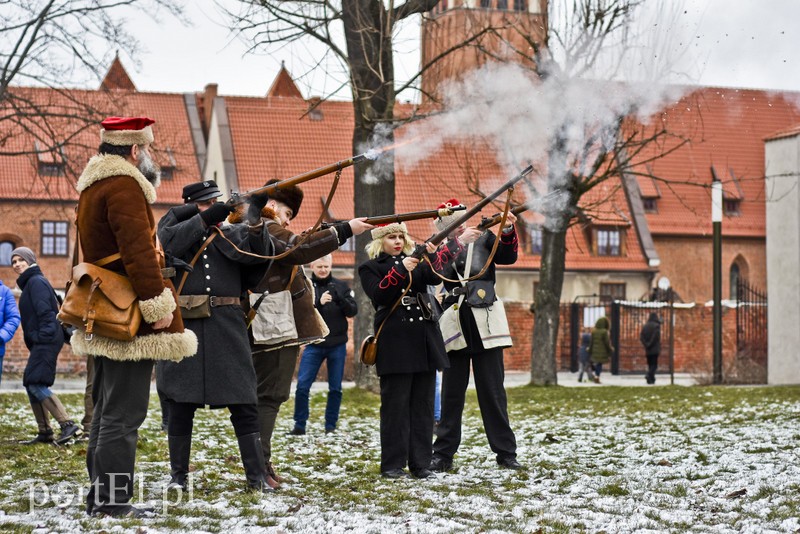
{"x":480,"y":293}
{"x":368,"y":352}
{"x":194,"y":306}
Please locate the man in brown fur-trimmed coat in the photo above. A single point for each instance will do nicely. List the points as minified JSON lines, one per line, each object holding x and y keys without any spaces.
{"x":275,"y":364}
{"x":114,"y":216}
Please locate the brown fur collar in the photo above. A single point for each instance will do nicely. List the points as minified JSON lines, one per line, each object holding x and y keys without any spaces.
{"x":238,"y":215}
{"x":106,"y":165}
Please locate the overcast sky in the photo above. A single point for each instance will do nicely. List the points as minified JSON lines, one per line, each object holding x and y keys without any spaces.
{"x":731,"y":43}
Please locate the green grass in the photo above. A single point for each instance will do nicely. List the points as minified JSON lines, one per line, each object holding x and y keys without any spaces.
{"x":673,"y":450}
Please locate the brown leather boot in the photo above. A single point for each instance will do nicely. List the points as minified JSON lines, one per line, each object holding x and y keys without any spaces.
{"x":45,"y":434}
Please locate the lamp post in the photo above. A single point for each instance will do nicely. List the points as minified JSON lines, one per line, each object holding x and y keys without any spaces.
{"x":716,"y":221}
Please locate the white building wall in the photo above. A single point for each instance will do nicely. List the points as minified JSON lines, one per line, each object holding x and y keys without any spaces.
{"x":782,"y":161}
{"x":214,"y":168}
{"x":518,"y":286}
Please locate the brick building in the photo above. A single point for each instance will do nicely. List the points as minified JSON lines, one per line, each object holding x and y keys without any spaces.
{"x":37,"y":187}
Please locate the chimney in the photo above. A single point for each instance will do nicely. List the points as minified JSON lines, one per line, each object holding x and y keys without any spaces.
{"x":209,"y":94}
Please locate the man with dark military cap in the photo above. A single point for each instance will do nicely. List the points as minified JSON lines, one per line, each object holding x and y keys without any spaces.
{"x":222,"y":373}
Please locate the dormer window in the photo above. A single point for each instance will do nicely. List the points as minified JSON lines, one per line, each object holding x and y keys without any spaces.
{"x":607,"y":241}
{"x":49,"y":162}
{"x":168,"y":167}
{"x":650,"y":205}
{"x":732,"y":207}
{"x":536,"y":241}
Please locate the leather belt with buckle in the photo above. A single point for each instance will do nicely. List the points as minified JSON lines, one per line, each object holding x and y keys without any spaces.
{"x":224,"y":301}
{"x":409,"y":301}
{"x":456,"y":291}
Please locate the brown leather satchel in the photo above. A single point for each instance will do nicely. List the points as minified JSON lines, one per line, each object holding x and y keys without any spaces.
{"x":99,"y":301}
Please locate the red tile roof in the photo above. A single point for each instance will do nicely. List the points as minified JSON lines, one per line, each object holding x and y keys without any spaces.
{"x":19,"y":176}
{"x":728,"y":128}
{"x":275,"y":138}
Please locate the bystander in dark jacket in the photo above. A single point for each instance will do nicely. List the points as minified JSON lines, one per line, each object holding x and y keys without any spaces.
{"x":335,"y":302}
{"x":44,"y":338}
{"x":650,"y":336}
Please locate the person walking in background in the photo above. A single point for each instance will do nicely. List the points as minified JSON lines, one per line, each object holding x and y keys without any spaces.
{"x":410,"y":350}
{"x":650,"y":336}
{"x":335,"y":301}
{"x":584,"y":361}
{"x":9,"y":321}
{"x":116,"y":224}
{"x":600,"y":349}
{"x":44,"y":338}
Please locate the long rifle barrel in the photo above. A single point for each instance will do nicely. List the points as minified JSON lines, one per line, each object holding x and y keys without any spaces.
{"x":410,"y":216}
{"x":441,"y":236}
{"x":238,"y":198}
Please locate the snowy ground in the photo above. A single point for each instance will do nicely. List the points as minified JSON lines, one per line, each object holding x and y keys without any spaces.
{"x":603,"y":460}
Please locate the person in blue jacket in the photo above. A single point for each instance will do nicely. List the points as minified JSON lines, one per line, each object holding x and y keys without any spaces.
{"x":44,"y":338}
{"x":9,"y":321}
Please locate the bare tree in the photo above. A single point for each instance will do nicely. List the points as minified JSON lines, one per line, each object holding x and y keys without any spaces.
{"x":358,"y":36}
{"x":49,"y":47}
{"x":594,"y":39}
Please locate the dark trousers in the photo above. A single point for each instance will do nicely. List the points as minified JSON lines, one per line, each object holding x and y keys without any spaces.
{"x":406,"y":420}
{"x":652,"y":365}
{"x":274,"y":371}
{"x":244,"y":418}
{"x":489,"y":374}
{"x":121,"y":392}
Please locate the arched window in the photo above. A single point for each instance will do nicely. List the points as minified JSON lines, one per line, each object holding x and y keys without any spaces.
{"x":5,"y":252}
{"x":734,"y":280}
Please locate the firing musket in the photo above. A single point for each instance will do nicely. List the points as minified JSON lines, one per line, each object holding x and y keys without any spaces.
{"x":488,"y":222}
{"x":402,"y":217}
{"x":240,"y":198}
{"x":436,"y":239}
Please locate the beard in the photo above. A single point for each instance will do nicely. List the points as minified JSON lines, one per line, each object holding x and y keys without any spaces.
{"x":148,"y":168}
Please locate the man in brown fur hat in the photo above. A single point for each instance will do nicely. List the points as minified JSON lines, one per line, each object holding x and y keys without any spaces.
{"x":115,"y":222}
{"x":275,"y":363}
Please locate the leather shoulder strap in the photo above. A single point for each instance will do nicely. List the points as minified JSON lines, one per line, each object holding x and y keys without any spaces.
{"x":196,"y":257}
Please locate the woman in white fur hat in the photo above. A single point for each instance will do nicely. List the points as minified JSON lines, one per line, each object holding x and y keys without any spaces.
{"x":410,"y":349}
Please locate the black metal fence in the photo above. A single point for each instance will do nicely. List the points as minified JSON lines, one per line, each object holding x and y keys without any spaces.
{"x":751,"y":324}
{"x":627,"y":320}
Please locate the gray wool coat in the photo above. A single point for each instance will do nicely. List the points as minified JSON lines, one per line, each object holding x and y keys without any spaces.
{"x":222,"y":372}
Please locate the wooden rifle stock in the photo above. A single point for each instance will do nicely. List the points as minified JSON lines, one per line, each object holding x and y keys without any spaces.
{"x":436,"y":239}
{"x":402,"y":217}
{"x":488,"y":222}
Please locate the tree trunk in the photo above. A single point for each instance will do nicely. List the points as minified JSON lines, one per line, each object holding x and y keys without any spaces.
{"x":369,"y":48}
{"x":548,"y":297}
{"x":551,"y":273}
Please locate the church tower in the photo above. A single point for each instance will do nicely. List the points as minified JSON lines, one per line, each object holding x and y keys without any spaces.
{"x":478,"y":30}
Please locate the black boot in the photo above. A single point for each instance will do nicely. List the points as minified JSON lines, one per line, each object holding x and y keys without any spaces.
{"x":253,"y":462}
{"x":179,"y":451}
{"x":41,"y":437}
